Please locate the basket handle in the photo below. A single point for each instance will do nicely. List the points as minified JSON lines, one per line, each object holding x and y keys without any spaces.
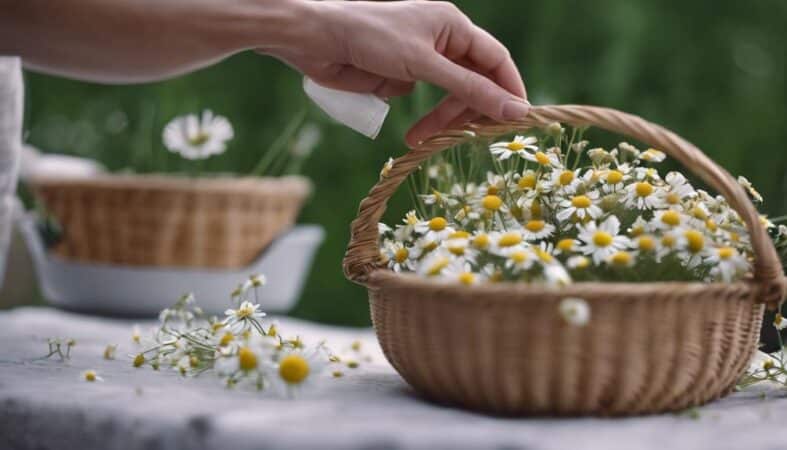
{"x":362,"y":252}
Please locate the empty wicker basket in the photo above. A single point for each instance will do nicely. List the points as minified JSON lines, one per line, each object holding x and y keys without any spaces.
{"x":649,"y":347}
{"x":170,"y":221}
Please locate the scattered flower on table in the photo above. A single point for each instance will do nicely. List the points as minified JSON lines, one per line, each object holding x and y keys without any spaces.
{"x":91,"y":376}
{"x":110,"y":351}
{"x":575,"y":311}
{"x":60,"y":347}
{"x":240,"y":349}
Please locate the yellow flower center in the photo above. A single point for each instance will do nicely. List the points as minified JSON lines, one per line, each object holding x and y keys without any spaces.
{"x":226,"y":339}
{"x":602,"y":239}
{"x":646,"y":243}
{"x":438,"y":224}
{"x":216,"y":326}
{"x":90,"y":375}
{"x":492,"y":190}
{"x":527,"y":181}
{"x":535,"y":208}
{"x":199,"y":139}
{"x":699,"y":213}
{"x":411,"y":219}
{"x":430,"y":246}
{"x":711,"y":225}
{"x":695,"y":241}
{"x":535,"y":225}
{"x":543,"y":255}
{"x":457,"y":250}
{"x":566,"y":177}
{"x":735,"y":237}
{"x":671,"y":218}
{"x":621,"y":258}
{"x":614,"y":177}
{"x":668,"y":241}
{"x":582,"y":262}
{"x":294,"y":369}
{"x":401,"y":255}
{"x":519,"y":257}
{"x":565,"y":245}
{"x":247,"y":360}
{"x":459,"y":235}
{"x":637,"y":230}
{"x":466,"y":278}
{"x":673,"y":198}
{"x":438,"y":267}
{"x":515,"y":146}
{"x":542,"y":158}
{"x":726,"y":252}
{"x":139,"y":360}
{"x":491,"y":202}
{"x":481,"y":241}
{"x":643,"y":189}
{"x":244,"y":312}
{"x":509,"y":240}
{"x":581,"y":201}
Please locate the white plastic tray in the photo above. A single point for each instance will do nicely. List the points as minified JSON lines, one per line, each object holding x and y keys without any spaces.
{"x":144,"y":291}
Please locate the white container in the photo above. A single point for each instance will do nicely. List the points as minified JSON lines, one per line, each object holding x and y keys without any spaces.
{"x":144,"y":291}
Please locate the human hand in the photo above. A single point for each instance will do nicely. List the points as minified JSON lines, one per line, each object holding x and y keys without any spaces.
{"x":384,"y":47}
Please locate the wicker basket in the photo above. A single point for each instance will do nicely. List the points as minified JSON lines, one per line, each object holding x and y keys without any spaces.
{"x":170,"y":221}
{"x":649,"y":347}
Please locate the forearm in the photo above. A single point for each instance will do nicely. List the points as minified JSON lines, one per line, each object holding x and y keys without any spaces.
{"x":140,"y":40}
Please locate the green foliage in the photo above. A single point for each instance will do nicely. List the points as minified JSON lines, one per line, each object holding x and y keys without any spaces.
{"x":713,"y":71}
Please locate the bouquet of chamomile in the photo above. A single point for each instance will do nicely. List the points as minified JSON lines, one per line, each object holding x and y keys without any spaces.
{"x":549,"y":207}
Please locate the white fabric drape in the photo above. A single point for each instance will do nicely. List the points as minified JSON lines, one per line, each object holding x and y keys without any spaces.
{"x":10,"y":144}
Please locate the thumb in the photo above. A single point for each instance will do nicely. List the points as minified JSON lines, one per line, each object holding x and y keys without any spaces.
{"x":475,"y":90}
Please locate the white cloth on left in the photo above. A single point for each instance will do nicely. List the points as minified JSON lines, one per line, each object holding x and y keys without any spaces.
{"x":11,"y":90}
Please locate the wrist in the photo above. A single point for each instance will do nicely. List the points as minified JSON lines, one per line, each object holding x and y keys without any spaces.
{"x":274,"y":25}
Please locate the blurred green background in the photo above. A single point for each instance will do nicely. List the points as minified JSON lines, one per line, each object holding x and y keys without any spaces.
{"x":713,"y":71}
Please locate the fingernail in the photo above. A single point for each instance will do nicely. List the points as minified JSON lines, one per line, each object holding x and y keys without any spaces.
{"x":515,"y":109}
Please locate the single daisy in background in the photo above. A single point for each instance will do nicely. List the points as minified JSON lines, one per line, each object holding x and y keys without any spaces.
{"x":575,"y":311}
{"x":195,"y":137}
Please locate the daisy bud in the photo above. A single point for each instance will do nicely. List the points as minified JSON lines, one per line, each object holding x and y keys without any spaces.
{"x":554,"y":129}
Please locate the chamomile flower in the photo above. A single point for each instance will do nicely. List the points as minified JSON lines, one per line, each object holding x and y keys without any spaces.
{"x":543,"y":159}
{"x":495,"y":184}
{"x":404,"y":232}
{"x":556,"y":275}
{"x":434,"y":264}
{"x":601,"y":241}
{"x":727,"y":263}
{"x":436,"y":228}
{"x":643,"y":195}
{"x":196,"y":137}
{"x":566,"y":246}
{"x":575,"y":311}
{"x":613,"y":181}
{"x":503,"y":243}
{"x":577,"y":262}
{"x":537,"y":229}
{"x":667,"y":244}
{"x":462,"y":272}
{"x":621,"y":259}
{"x":520,"y":259}
{"x":296,"y":369}
{"x":91,"y":376}
{"x":423,"y":246}
{"x":386,"y":170}
{"x":439,"y":199}
{"x":580,"y":206}
{"x":565,"y":181}
{"x":669,"y":219}
{"x":398,"y":257}
{"x":652,"y":155}
{"x":693,"y":244}
{"x":779,"y":322}
{"x":677,"y":188}
{"x":644,"y":244}
{"x":746,"y":184}
{"x":505,"y":150}
{"x":241,"y":319}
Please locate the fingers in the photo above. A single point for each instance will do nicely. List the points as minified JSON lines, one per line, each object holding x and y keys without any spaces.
{"x":449,"y":113}
{"x":352,"y":79}
{"x":491,"y":57}
{"x":475,"y":90}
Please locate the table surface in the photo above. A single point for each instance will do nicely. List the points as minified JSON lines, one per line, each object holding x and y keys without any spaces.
{"x":46,"y":404}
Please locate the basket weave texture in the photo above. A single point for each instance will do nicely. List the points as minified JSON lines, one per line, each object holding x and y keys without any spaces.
{"x":503,"y":348}
{"x":142,"y":220}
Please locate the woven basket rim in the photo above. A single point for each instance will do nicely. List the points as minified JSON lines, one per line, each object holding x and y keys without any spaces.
{"x":292,"y":184}
{"x":384,"y":278}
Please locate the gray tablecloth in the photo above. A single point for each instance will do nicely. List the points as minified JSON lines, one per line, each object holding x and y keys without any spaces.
{"x":46,"y":404}
{"x":11,"y":90}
